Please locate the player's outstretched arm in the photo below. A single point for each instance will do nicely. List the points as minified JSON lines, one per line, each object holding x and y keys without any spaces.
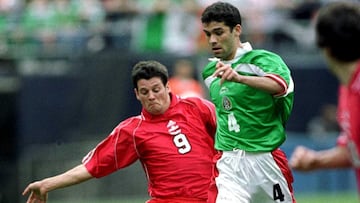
{"x":268,"y":84}
{"x":39,"y":189}
{"x":304,"y":159}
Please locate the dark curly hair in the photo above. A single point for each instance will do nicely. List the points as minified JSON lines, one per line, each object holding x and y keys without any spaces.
{"x":338,"y":29}
{"x":147,"y":70}
{"x":222,"y":12}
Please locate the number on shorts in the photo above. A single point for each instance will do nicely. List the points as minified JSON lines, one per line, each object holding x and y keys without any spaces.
{"x":182,"y":143}
{"x":232,"y":123}
{"x":277,"y":192}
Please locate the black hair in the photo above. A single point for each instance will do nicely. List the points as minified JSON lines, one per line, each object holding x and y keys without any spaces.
{"x":338,"y":29}
{"x":222,"y":12}
{"x":147,"y":70}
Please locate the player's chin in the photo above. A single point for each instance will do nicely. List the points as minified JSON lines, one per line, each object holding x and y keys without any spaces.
{"x":154,"y":109}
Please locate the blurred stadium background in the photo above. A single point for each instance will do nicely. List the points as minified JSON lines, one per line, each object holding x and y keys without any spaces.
{"x":65,"y":83}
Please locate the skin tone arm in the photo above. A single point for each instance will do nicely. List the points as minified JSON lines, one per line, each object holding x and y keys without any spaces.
{"x":263,"y":83}
{"x":304,"y":159}
{"x":39,"y":190}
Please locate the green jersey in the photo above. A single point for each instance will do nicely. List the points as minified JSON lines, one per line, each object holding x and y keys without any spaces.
{"x":248,"y":118}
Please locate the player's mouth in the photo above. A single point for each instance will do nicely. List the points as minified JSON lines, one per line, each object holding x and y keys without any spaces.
{"x":153,"y":105}
{"x":216,"y":50}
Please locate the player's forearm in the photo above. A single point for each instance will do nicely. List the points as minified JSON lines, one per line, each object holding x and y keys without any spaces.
{"x":263,"y":83}
{"x":73,"y":176}
{"x":337,"y":157}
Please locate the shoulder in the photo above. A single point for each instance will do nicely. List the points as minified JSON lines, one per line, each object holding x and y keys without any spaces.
{"x":355,"y":82}
{"x":129,"y":123}
{"x":209,"y":69}
{"x":197,"y":103}
{"x":192,"y":100}
{"x":260,"y":54}
{"x":265,"y":60}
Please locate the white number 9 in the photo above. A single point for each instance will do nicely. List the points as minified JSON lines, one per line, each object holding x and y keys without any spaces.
{"x":182,"y":143}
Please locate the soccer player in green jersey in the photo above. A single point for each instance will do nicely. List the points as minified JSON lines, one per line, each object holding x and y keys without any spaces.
{"x":253,"y":93}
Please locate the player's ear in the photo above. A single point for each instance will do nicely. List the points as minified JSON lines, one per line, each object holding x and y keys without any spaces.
{"x":326,"y":52}
{"x":238,"y":29}
{"x":167,"y":87}
{"x":328,"y":55}
{"x":136,"y":94}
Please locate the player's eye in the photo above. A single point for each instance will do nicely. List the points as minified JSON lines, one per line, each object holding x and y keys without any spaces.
{"x":144,"y":92}
{"x":218,"y":32}
{"x":156,"y":90}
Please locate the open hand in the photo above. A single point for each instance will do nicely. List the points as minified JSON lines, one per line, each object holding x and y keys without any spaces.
{"x":225,"y":72}
{"x":36,"y":194}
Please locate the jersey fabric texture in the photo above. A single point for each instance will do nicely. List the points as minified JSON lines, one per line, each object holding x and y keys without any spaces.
{"x":175,"y":149}
{"x":248,"y":118}
{"x":349,"y":119}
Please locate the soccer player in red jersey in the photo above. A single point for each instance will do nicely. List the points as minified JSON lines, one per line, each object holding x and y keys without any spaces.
{"x":172,"y":137}
{"x":338,"y":31}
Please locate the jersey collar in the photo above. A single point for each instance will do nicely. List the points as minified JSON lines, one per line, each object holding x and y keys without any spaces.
{"x":246,"y":47}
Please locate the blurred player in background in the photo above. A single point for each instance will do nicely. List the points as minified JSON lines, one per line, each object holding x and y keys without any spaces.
{"x":183,"y":82}
{"x":172,"y":138}
{"x":338,"y":37}
{"x":324,"y":123}
{"x":253,"y":94}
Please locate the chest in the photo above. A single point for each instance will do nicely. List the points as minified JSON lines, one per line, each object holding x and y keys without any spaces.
{"x":171,"y":137}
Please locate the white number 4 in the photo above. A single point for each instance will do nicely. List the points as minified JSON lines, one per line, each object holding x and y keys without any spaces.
{"x":232,"y":123}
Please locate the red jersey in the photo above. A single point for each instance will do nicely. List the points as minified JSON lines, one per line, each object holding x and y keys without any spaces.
{"x":176,"y":149}
{"x":349,"y":119}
